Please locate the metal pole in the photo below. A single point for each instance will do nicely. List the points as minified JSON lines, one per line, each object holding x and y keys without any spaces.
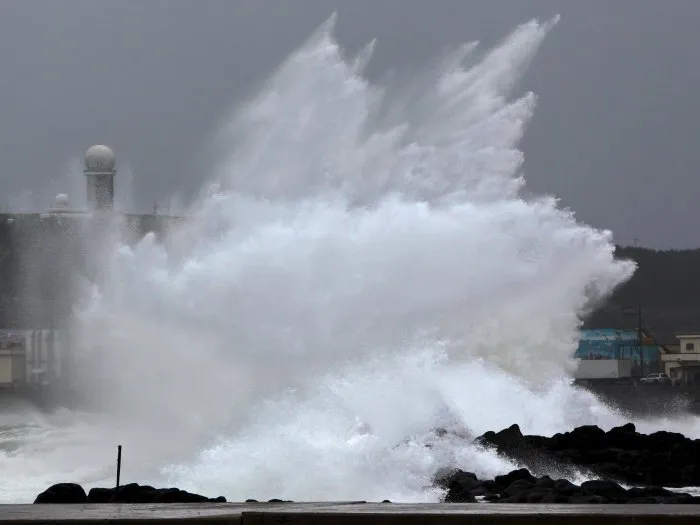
{"x":641,"y":341}
{"x":639,"y":319}
{"x":119,"y":465}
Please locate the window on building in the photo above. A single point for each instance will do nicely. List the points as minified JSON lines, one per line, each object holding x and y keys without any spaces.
{"x":689,"y":347}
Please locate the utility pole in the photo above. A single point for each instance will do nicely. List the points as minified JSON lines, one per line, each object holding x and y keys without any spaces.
{"x":641,"y":339}
{"x":640,"y":333}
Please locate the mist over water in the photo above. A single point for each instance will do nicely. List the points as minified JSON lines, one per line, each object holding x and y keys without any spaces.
{"x":361,"y":269}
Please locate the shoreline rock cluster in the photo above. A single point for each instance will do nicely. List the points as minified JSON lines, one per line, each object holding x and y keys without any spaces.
{"x":520,"y":486}
{"x":663,"y":459}
{"x":72,"y":493}
{"x":620,"y":456}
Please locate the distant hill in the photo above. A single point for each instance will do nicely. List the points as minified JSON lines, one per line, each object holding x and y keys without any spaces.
{"x":666,"y":285}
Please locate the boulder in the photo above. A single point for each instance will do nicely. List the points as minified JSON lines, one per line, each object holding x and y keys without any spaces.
{"x":70,"y":493}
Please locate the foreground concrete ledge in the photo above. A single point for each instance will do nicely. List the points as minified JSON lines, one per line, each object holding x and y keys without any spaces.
{"x":475,"y":513}
{"x":336,"y":513}
{"x":172,"y":513}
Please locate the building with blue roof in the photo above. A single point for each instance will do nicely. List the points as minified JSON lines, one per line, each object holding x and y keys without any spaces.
{"x":620,"y":344}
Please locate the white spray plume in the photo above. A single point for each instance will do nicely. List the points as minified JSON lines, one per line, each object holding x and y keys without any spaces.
{"x":362,"y":270}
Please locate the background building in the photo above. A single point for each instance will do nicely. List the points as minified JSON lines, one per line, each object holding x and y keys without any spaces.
{"x":615,"y":353}
{"x":682,"y":361}
{"x":42,"y":255}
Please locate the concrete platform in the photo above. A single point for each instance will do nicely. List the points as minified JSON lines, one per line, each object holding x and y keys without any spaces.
{"x":172,"y":513}
{"x":471,"y":513}
{"x":334,"y":513}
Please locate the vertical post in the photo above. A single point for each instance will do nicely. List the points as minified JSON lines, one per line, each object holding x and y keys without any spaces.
{"x":641,"y":340}
{"x":119,"y":465}
{"x":640,"y":334}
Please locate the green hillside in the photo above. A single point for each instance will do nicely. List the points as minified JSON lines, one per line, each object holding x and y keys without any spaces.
{"x":666,"y":285}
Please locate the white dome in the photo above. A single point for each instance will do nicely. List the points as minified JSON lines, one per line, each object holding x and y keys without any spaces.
{"x":99,"y":158}
{"x":61,"y":201}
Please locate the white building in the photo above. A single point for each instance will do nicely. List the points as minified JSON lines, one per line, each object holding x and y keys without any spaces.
{"x":682,"y":362}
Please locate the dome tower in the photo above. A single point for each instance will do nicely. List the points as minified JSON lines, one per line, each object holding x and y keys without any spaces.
{"x":100,"y":169}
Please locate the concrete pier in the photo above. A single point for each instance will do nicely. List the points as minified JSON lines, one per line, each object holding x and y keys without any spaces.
{"x":333,"y":513}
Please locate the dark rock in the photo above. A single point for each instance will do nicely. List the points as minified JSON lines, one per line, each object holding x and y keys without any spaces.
{"x":609,"y":490}
{"x":520,"y":486}
{"x":131,"y":493}
{"x":510,"y":437}
{"x":135,"y":493}
{"x":624,"y":437}
{"x":517,"y":475}
{"x":621,"y":454}
{"x":100,"y":495}
{"x":546,"y":482}
{"x":565,"y":488}
{"x":63,"y":493}
{"x":460,"y":486}
{"x":173,"y":495}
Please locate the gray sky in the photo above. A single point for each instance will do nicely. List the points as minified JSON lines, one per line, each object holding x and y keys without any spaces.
{"x":615,"y":134}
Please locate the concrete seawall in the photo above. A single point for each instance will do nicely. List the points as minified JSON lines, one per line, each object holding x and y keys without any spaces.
{"x":331,"y":513}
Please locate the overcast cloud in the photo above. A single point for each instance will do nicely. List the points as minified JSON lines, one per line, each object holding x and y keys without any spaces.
{"x":615,"y":134}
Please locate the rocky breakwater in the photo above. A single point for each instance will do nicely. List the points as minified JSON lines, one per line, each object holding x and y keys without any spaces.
{"x":520,"y":486}
{"x":664,"y":459}
{"x":648,"y":465}
{"x":131,"y":493}
{"x":626,"y":467}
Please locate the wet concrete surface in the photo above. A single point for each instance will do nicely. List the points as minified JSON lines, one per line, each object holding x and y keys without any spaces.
{"x":334,"y":513}
{"x":133,"y":513}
